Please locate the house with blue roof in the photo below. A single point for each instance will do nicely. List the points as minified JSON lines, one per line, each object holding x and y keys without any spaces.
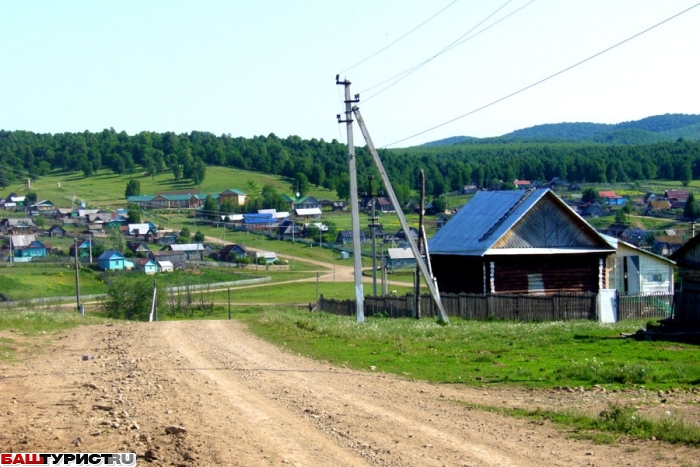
{"x":519,"y":242}
{"x":111,"y":260}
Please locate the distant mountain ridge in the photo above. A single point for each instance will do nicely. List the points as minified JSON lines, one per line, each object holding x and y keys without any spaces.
{"x":655,"y":129}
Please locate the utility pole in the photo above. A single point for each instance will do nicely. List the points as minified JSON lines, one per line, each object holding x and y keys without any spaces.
{"x":229,"y":303}
{"x":420,"y":243}
{"x":77,"y":276}
{"x":373,"y":226}
{"x":402,"y":219}
{"x":355,"y":205}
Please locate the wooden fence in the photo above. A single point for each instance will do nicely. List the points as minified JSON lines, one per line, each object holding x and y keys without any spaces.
{"x":643,"y":306}
{"x":477,"y":307}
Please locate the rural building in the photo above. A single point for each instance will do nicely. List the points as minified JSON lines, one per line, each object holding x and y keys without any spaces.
{"x":399,"y":258}
{"x":345,"y":237}
{"x":26,"y":247}
{"x":56,"y":231}
{"x":165,"y":266}
{"x":231,"y":253}
{"x":146,"y":265}
{"x":308,"y":202}
{"x":686,"y":309}
{"x":632,"y":270}
{"x":518,"y":242}
{"x":307,"y":213}
{"x":192,"y":251}
{"x":268,"y":257}
{"x":611,"y":198}
{"x":138,"y":248}
{"x":236,"y":196}
{"x":83,"y":249}
{"x":111,"y":260}
{"x":166,"y":238}
{"x":677,"y":195}
{"x":17,"y":226}
{"x":177,"y":258}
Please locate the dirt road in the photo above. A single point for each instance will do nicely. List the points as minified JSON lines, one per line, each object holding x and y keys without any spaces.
{"x":243,"y":402}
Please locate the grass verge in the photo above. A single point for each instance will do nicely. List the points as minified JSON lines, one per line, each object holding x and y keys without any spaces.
{"x":618,"y":419}
{"x":572,"y":353}
{"x":20,"y":328}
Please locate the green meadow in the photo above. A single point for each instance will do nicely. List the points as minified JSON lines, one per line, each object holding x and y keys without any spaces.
{"x":486,"y":353}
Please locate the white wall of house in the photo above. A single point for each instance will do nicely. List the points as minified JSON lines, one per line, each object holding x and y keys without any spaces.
{"x":645,"y":272}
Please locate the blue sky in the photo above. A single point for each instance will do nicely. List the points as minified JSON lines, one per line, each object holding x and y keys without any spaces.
{"x":258,"y":67}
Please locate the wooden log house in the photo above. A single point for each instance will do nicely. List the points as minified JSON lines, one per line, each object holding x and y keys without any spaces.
{"x":518,"y":242}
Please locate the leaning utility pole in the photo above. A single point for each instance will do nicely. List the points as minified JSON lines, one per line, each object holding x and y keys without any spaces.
{"x":354,"y":203}
{"x":404,"y":225}
{"x":420,"y":243}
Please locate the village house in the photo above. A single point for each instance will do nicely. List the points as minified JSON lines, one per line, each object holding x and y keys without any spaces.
{"x":56,"y":231}
{"x":83,"y":248}
{"x":231,"y":253}
{"x":111,"y":260}
{"x":10,"y":226}
{"x":345,"y":237}
{"x":192,"y":251}
{"x":399,"y":258}
{"x":612,"y":199}
{"x":146,"y":266}
{"x":232,"y":195}
{"x":26,"y":247}
{"x":506,"y":242}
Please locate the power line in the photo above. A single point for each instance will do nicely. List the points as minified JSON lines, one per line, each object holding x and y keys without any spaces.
{"x":452,"y":45}
{"x":545,"y":79}
{"x":400,"y":38}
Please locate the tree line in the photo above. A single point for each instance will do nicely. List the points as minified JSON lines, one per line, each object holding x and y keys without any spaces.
{"x":324,"y":164}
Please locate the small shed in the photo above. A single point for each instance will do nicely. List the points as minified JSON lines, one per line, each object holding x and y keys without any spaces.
{"x":165,"y":266}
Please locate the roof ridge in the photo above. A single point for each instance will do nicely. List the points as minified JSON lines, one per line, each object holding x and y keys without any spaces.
{"x":507,"y":213}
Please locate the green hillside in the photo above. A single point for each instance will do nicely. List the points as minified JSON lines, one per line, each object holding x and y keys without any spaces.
{"x":106,"y":189}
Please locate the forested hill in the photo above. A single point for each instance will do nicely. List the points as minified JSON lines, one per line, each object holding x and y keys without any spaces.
{"x":648,"y":130}
{"x":25,"y":154}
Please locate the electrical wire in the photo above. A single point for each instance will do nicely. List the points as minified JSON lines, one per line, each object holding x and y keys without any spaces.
{"x":471,"y":112}
{"x":400,"y":38}
{"x":452,"y":45}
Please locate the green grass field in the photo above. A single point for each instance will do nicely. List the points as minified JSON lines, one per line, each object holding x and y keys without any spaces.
{"x":22,"y":282}
{"x":106,"y":189}
{"x":574,"y":353}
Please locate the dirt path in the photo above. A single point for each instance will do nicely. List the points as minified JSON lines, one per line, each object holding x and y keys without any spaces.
{"x":244,"y":402}
{"x":329,"y":272}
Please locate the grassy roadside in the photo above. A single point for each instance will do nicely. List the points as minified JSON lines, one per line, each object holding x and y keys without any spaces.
{"x":22,"y":331}
{"x":609,"y":426}
{"x":575,"y":353}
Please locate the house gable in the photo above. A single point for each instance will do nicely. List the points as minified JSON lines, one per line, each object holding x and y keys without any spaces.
{"x":548,"y":225}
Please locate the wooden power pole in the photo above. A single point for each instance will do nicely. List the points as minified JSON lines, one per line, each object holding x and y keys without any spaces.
{"x":354,"y":203}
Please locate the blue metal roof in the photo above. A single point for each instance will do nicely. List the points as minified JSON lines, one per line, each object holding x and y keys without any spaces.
{"x":479,"y":225}
{"x":265,"y":218}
